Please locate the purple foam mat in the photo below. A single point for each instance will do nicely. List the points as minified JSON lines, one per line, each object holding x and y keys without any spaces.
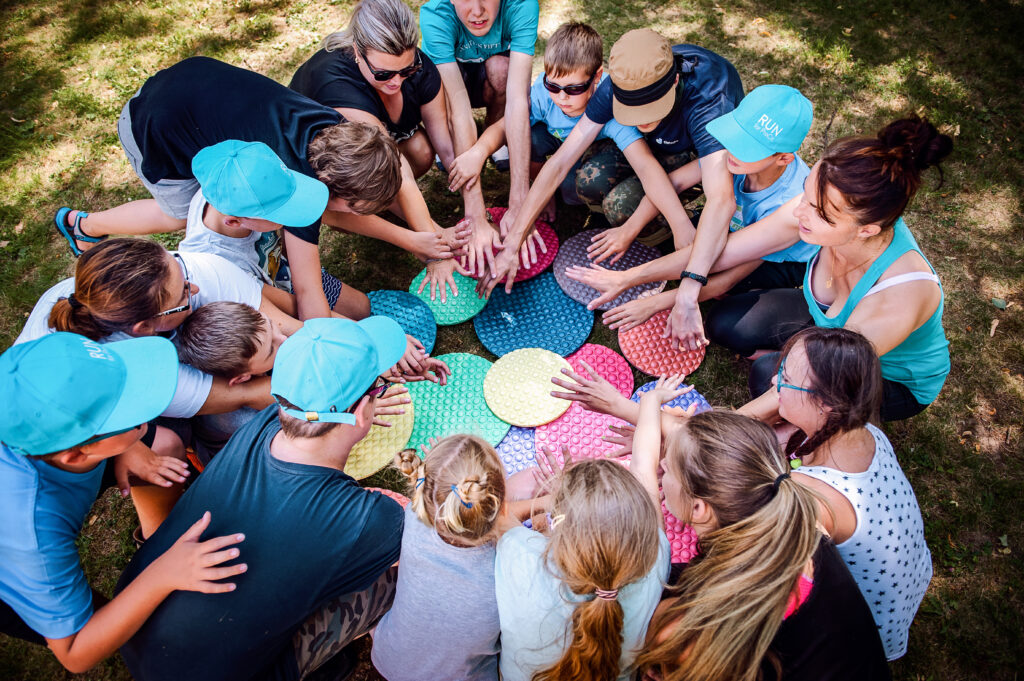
{"x":574,"y":252}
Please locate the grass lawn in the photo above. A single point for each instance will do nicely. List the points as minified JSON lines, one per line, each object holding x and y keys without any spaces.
{"x":67,"y":67}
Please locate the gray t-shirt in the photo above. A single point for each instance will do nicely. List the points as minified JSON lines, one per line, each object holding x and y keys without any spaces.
{"x":444,"y":622}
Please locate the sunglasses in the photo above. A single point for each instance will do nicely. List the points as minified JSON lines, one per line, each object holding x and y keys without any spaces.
{"x":779,"y":384}
{"x":574,"y":89}
{"x":381,"y":75}
{"x":376,"y":391}
{"x":187,"y":305}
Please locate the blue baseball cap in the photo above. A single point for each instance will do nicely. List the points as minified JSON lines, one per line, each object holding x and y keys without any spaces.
{"x":771,"y":119}
{"x":248,"y":180}
{"x":65,"y":389}
{"x":328,"y":364}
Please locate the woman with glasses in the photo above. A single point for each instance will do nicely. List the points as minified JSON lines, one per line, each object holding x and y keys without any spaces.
{"x":829,"y":387}
{"x":135,"y":287}
{"x":372,"y":72}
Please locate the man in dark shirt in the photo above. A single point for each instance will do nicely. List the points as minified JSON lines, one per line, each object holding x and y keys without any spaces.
{"x":319,"y":548}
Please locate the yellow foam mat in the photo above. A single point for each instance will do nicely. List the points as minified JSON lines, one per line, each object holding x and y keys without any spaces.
{"x":380,"y":445}
{"x":518,"y":387}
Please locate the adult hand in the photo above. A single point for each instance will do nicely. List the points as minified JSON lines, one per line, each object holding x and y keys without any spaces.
{"x":685,"y":327}
{"x":428,"y":246}
{"x":632,"y":313}
{"x":508,"y":220}
{"x":609,"y":283}
{"x":466,"y":169}
{"x":390,"y":404}
{"x":191,"y":565}
{"x":611,"y":243}
{"x":145,"y":464}
{"x":433,"y":370}
{"x":504,"y":268}
{"x":482,"y":245}
{"x":457,"y":236}
{"x":593,"y":392}
{"x":528,"y":251}
{"x":548,"y":472}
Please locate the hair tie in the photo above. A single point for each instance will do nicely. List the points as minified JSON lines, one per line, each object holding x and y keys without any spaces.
{"x":74,"y":302}
{"x":778,"y":481}
{"x":606,"y":594}
{"x":467,"y":504}
{"x":419,"y":482}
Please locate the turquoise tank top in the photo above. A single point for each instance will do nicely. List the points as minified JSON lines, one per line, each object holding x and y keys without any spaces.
{"x":921,"y":361}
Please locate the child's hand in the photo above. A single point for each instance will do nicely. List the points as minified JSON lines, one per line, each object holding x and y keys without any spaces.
{"x":666,"y":389}
{"x":611,"y":243}
{"x":528,"y":251}
{"x":145,"y":464}
{"x":428,"y":246}
{"x":609,"y":283}
{"x":412,"y":361}
{"x":439,"y":277}
{"x":191,"y":565}
{"x":390,"y":404}
{"x":434,"y":370}
{"x":548,"y":472}
{"x":431,"y":443}
{"x":636,"y":311}
{"x":483,"y":243}
{"x":466,"y":168}
{"x":594,"y":393}
{"x":457,"y":236}
{"x":623,"y":437}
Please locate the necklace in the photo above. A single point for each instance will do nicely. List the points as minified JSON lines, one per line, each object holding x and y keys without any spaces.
{"x":832,"y":273}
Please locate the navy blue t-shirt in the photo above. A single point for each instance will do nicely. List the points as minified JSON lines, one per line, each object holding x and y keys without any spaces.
{"x":201,"y":101}
{"x":708,"y":88}
{"x":333,"y":79}
{"x":311,"y":534}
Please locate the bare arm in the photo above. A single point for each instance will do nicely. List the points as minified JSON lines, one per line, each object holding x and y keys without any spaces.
{"x":517,"y":132}
{"x":658,"y":188}
{"x":465,"y":169}
{"x":285,"y":322}
{"x":304,"y":262}
{"x":435,"y":121}
{"x":224,"y":397}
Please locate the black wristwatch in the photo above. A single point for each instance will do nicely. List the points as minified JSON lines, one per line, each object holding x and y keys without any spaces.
{"x":703,"y":281}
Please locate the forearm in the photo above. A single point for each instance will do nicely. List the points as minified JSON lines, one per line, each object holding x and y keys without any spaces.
{"x":647,"y":448}
{"x":764,"y":408}
{"x":372,"y":226}
{"x":526,"y":508}
{"x":492,"y":138}
{"x":543,"y":188}
{"x":224,"y":398}
{"x":463,"y":127}
{"x":517,"y":132}
{"x":285,"y":322}
{"x":412,"y":206}
{"x":706,"y":248}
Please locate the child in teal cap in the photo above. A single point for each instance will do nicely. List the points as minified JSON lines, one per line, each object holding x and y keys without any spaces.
{"x":77,"y":403}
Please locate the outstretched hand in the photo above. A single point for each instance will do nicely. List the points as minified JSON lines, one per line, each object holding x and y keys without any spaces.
{"x":145,"y":464}
{"x":592,"y":391}
{"x":611,"y":243}
{"x":609,"y":283}
{"x":548,"y":472}
{"x":390,"y":405}
{"x":192,"y":565}
{"x":685,"y":328}
{"x":504,"y":267}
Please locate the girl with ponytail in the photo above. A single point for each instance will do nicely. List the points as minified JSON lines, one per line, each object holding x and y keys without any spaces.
{"x":768,"y":597}
{"x":829,"y":386}
{"x":575,"y":604}
{"x":444,"y":621}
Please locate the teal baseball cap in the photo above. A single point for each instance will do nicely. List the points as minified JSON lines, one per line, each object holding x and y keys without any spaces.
{"x":326,"y":366}
{"x":248,"y":180}
{"x":771,"y":119}
{"x":65,"y":389}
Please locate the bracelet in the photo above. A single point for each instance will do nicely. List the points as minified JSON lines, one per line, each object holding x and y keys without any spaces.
{"x":702,"y":280}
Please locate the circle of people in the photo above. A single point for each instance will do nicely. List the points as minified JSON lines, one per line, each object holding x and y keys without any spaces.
{"x":811,"y":554}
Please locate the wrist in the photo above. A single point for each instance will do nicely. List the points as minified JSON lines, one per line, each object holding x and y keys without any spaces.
{"x":688,"y":292}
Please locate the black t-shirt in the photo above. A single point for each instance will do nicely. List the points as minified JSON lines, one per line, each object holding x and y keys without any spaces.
{"x":333,"y":79}
{"x":709,"y":87}
{"x":312,"y":534}
{"x":201,"y":101}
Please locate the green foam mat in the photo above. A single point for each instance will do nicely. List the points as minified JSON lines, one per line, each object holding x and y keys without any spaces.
{"x":456,"y":309}
{"x":459,"y":407}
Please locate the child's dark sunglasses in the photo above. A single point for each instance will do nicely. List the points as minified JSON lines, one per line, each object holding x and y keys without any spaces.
{"x":574,"y":89}
{"x":382,"y":76}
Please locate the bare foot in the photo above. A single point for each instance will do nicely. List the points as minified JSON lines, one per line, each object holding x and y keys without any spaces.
{"x":550,"y":211}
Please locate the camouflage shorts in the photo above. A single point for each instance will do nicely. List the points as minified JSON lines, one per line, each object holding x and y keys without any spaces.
{"x":341,"y":621}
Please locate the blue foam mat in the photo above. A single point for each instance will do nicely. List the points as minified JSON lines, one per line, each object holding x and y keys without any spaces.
{"x":683,"y":401}
{"x":517,"y":450}
{"x":409,"y":311}
{"x":537,"y":314}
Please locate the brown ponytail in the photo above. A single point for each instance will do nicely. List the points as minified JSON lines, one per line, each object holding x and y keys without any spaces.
{"x":606,"y":539}
{"x":846,"y":378}
{"x":117,"y":283}
{"x":878,"y":176}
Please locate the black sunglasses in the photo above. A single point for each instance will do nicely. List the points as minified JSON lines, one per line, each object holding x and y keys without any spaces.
{"x":574,"y":89}
{"x":382,"y":76}
{"x":187,"y":305}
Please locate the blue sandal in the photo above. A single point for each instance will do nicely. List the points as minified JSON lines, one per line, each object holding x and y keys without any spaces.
{"x":73,"y":232}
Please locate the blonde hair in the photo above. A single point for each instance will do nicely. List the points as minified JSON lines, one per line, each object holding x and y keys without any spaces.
{"x":386,"y":26}
{"x":574,"y":46}
{"x":731,"y":600}
{"x":220,"y":338}
{"x":606,"y":537}
{"x":359,"y":163}
{"x":458,"y":488}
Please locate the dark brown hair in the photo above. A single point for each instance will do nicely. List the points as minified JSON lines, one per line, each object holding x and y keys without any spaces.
{"x":359,"y":163}
{"x":878,"y":176}
{"x":846,"y":377}
{"x":117,"y":283}
{"x":220,"y":338}
{"x":574,"y":46}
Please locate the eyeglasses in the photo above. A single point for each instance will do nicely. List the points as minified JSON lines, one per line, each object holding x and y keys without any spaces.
{"x":187,"y":305}
{"x":381,"y":75}
{"x":574,"y":89}
{"x":376,"y":391}
{"x":779,"y":385}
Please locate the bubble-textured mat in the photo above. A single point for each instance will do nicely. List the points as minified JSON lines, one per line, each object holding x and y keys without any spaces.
{"x":516,"y":450}
{"x":402,"y":500}
{"x":683,"y":401}
{"x":645,"y":349}
{"x":409,"y":311}
{"x":537,"y":314}
{"x":518,"y":387}
{"x":574,"y":252}
{"x":544,"y":258}
{"x":380,"y":445}
{"x":459,"y":407}
{"x":607,"y":363}
{"x":456,"y":309}
{"x":681,"y":538}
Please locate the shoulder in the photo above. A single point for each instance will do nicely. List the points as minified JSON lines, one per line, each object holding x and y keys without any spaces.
{"x":436,"y":15}
{"x":521,"y":11}
{"x":38,"y":323}
{"x":599,"y":108}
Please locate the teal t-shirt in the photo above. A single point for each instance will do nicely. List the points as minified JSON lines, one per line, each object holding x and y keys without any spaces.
{"x":446,"y":39}
{"x":754,"y":206}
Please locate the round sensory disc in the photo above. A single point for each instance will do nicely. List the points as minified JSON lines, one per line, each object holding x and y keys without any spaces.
{"x":518,"y":387}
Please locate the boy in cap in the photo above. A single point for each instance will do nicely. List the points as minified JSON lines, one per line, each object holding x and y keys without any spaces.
{"x":320,"y":546}
{"x":483,"y":50}
{"x":669,"y":94}
{"x":74,"y":404}
{"x":761,"y":136}
{"x":245,"y":196}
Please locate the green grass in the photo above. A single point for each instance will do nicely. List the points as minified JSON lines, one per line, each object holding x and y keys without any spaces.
{"x":67,"y":67}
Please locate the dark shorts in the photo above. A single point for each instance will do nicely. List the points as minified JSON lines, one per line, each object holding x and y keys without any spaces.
{"x":332,"y":287}
{"x":474,"y":75}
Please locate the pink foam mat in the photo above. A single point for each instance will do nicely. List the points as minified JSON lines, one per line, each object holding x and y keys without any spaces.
{"x":609,"y":364}
{"x":544,"y":259}
{"x":402,"y":500}
{"x":645,"y":349}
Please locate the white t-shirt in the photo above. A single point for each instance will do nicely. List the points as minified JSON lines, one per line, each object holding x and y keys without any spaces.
{"x":535,"y":608}
{"x":216,"y":278}
{"x":261,"y":254}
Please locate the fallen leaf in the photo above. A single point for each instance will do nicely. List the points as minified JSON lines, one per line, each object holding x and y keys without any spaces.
{"x":4,"y":244}
{"x":999,"y":302}
{"x":19,"y":227}
{"x":93,"y":519}
{"x":992,"y":329}
{"x":1004,"y":540}
{"x":848,"y":31}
